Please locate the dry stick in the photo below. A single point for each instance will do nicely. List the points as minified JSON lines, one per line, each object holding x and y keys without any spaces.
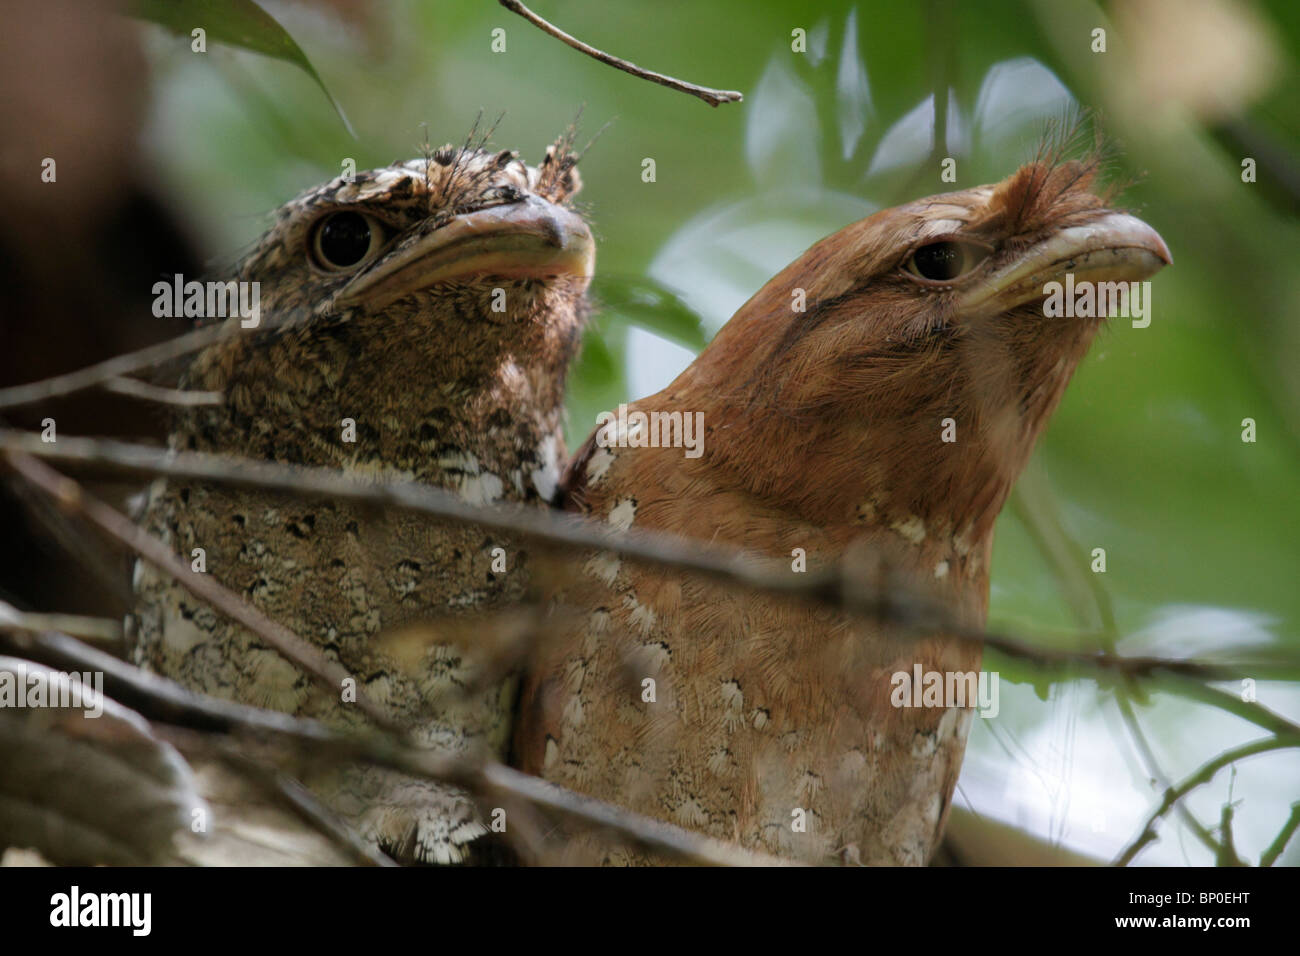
{"x":1204,"y":775}
{"x":96,"y":630}
{"x":1288,"y":830}
{"x":114,"y":368}
{"x":576,"y":533}
{"x":163,"y":396}
{"x":167,"y":702}
{"x":709,"y":95}
{"x":155,"y":696}
{"x":71,"y":497}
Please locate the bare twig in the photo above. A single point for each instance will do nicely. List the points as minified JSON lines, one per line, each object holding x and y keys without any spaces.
{"x":1275,"y":848}
{"x":97,"y":630}
{"x":711,"y":96}
{"x":163,"y":396}
{"x":70,"y":496}
{"x":1204,"y":775}
{"x":1257,"y":714}
{"x":1227,"y":854}
{"x":157,"y":697}
{"x":163,"y":700}
{"x":111,"y":369}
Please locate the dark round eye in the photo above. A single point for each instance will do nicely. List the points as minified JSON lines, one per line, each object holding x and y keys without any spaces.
{"x":940,"y":261}
{"x":345,"y":239}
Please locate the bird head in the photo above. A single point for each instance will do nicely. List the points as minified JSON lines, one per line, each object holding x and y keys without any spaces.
{"x":910,"y":360}
{"x":400,"y":292}
{"x":455,"y":225}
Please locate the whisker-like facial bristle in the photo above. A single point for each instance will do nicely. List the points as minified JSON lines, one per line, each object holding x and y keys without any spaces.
{"x":458,"y":158}
{"x":1078,"y":138}
{"x":1068,"y":174}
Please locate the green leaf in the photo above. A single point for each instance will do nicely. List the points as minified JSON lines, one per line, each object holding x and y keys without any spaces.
{"x":597,"y":366}
{"x":596,"y":383}
{"x":240,"y":23}
{"x":651,"y":306}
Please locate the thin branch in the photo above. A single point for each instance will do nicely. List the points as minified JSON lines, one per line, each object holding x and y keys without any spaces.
{"x":97,"y":630}
{"x":1227,"y":854}
{"x":1124,"y":700}
{"x":157,"y":697}
{"x":709,"y":95}
{"x":134,"y":388}
{"x":110,"y":369}
{"x":165,"y":701}
{"x":72,"y":498}
{"x":1204,"y":775}
{"x":1251,"y":711}
{"x":1288,"y":830}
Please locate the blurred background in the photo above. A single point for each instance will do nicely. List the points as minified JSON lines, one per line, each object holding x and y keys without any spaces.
{"x":170,"y":160}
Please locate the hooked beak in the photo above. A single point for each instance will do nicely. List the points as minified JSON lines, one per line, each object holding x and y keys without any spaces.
{"x":1115,"y":248}
{"x":532,"y":239}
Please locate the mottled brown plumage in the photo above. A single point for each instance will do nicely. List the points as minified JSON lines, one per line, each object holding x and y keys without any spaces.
{"x":446,"y":344}
{"x":823,"y":432}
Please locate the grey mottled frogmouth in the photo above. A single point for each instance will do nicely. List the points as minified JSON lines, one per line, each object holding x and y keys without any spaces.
{"x":416,"y":323}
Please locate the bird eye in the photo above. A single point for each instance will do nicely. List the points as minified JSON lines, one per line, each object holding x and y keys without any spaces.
{"x":942,"y":261}
{"x":346,"y":239}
